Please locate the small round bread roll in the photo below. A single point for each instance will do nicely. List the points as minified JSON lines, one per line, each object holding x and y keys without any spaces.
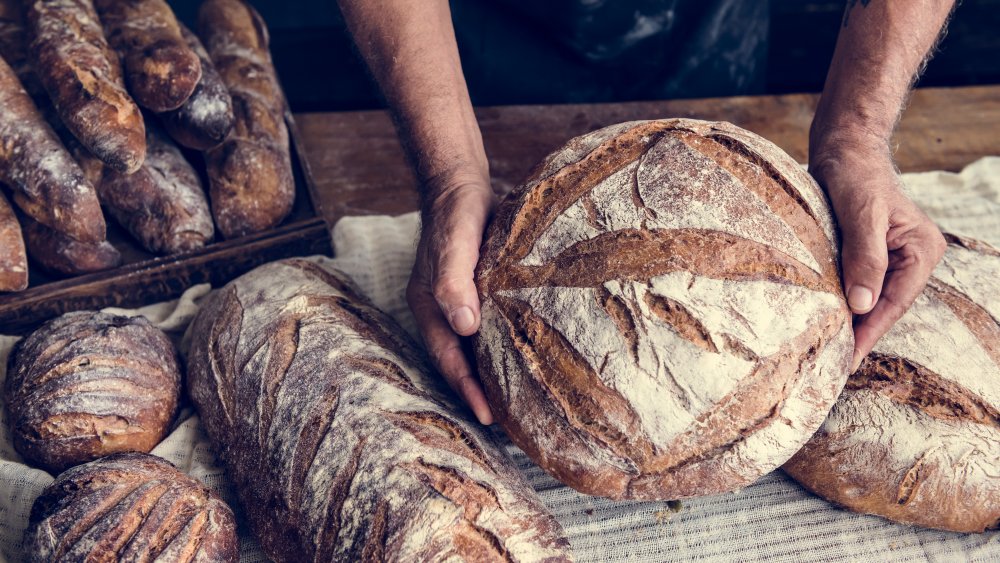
{"x":662,"y":313}
{"x":130,"y":507}
{"x":915,"y":437}
{"x":88,"y":384}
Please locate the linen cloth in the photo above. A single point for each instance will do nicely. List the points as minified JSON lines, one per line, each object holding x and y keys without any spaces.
{"x":773,"y":520}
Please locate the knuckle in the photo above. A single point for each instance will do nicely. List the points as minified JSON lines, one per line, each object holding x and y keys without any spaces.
{"x":871,"y":261}
{"x":447,"y":287}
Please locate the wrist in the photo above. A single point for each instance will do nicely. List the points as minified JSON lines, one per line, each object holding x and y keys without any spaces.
{"x":833,"y":147}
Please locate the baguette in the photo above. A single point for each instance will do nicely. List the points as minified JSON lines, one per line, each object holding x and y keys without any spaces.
{"x":46,"y":183}
{"x":250,"y":174}
{"x":83,"y":78}
{"x":13,"y":260}
{"x":206,"y":118}
{"x":61,"y":255}
{"x":13,"y":46}
{"x":130,"y":507}
{"x":337,"y":438}
{"x":163,"y":204}
{"x":161,"y":70}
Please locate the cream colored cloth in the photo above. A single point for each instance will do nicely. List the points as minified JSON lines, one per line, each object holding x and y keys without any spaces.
{"x":771,"y":520}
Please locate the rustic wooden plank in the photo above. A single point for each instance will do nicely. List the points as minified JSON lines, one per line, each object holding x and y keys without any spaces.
{"x":359,"y":167}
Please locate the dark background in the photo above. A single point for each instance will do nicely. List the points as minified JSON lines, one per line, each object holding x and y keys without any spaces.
{"x":321,"y":71}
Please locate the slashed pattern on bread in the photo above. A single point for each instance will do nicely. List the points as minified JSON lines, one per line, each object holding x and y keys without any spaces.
{"x":915,"y":437}
{"x":338,"y":439}
{"x":662,"y":313}
{"x":130,"y":507}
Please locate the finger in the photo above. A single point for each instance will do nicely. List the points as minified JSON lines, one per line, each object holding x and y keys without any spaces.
{"x":445,"y":351}
{"x":903,"y":285}
{"x":864,"y":259}
{"x":454,"y":254}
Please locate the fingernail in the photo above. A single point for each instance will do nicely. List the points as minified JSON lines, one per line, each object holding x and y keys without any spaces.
{"x":484,"y":416}
{"x":856,"y":361}
{"x":462,"y":319}
{"x":860,"y":298}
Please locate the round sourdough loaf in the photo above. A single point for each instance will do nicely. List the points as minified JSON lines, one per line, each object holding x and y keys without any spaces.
{"x":662,"y":315}
{"x":88,"y":384}
{"x":130,"y":507}
{"x":915,"y":437}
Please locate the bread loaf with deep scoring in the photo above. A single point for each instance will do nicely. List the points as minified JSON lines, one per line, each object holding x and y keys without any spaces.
{"x":83,"y":77}
{"x":160,"y":68}
{"x":250,"y":174}
{"x":88,"y":384}
{"x":915,"y":437}
{"x":662,"y":314}
{"x":62,"y":255}
{"x":337,"y":437}
{"x":14,"y":46}
{"x":45,"y":181}
{"x":206,"y":118}
{"x":163,"y":204}
{"x":13,"y":260}
{"x":130,"y":507}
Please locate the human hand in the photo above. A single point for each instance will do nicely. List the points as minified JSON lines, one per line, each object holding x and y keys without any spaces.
{"x":888,"y":245}
{"x":441,"y":292}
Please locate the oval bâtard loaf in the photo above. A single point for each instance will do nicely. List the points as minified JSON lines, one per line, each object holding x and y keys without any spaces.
{"x":88,"y":384}
{"x":915,"y":437}
{"x":337,"y":438}
{"x":130,"y":507}
{"x":662,"y":314}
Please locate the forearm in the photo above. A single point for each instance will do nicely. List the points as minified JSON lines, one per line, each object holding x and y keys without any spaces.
{"x":410,"y":47}
{"x":880,"y":51}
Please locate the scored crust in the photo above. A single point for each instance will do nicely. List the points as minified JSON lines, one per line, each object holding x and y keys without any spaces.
{"x":337,"y":438}
{"x":130,"y":507}
{"x":88,"y":384}
{"x":915,"y":437}
{"x":662,"y":314}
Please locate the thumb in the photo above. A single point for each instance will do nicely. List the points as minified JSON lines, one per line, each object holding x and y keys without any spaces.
{"x":864,"y":259}
{"x":453,"y":262}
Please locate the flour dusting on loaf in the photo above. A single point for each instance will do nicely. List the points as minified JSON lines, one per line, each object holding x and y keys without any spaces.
{"x":88,"y":384}
{"x":250,"y":174}
{"x":662,"y":310}
{"x":915,"y":437}
{"x":130,"y":507}
{"x":338,"y":439}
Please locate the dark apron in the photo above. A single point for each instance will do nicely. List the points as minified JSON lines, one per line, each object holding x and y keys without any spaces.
{"x":553,"y":51}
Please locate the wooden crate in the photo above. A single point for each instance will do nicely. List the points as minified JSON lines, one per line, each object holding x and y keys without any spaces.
{"x":144,"y":278}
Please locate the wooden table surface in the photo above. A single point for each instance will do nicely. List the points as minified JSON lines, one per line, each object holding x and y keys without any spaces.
{"x":360,"y":169}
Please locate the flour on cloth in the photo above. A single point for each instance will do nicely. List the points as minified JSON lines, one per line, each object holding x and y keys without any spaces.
{"x":772,"y":520}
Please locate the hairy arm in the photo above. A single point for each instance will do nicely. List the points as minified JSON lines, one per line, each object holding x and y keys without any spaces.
{"x":410,"y":48}
{"x":889,"y":247}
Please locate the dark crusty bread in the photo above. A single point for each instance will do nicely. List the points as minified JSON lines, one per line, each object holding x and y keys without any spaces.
{"x":250,"y":174}
{"x":339,"y":442}
{"x":915,"y":437}
{"x":13,"y":260}
{"x":161,"y":70}
{"x":163,"y":204}
{"x":45,"y":181}
{"x":61,"y":255}
{"x":662,"y":314}
{"x":206,"y":118}
{"x":83,"y":78}
{"x":130,"y":507}
{"x":13,"y":46}
{"x":87,"y":384}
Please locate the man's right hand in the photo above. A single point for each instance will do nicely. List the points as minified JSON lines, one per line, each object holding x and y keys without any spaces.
{"x":441,"y":292}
